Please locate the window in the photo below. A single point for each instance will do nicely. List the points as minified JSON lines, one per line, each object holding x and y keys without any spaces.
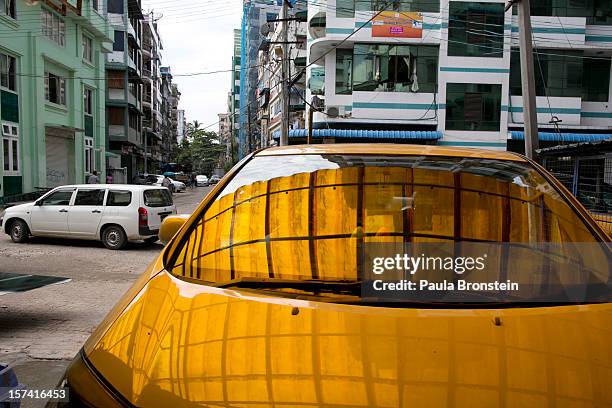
{"x":316,"y":82}
{"x":558,"y":73}
{"x":8,"y":66}
{"x":10,"y":148}
{"x":116,"y":116}
{"x":55,"y":89}
{"x":344,"y":71}
{"x":598,"y":12}
{"x":328,"y":208}
{"x":157,"y":198}
{"x":473,"y":107}
{"x":119,"y":198}
{"x":88,"y":101}
{"x":53,"y":27}
{"x":596,"y":79}
{"x":134,"y":121}
{"x":476,"y":29}
{"x":602,"y":13}
{"x":395,"y":68}
{"x":345,"y":8}
{"x":95,"y":5}
{"x":119,"y":44}
{"x":115,"y":79}
{"x":271,"y":16}
{"x":115,"y":6}
{"x":87,"y":49}
{"x":89,"y":155}
{"x":90,"y":197}
{"x":7,"y":7}
{"x":60,"y":197}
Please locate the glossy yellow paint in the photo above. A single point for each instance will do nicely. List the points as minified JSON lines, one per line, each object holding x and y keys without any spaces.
{"x":604,"y":221}
{"x":170,"y":342}
{"x":391,"y":149}
{"x":179,"y":344}
{"x":171,"y":225}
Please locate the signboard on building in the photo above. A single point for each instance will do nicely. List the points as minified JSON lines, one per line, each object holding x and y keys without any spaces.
{"x":398,"y":24}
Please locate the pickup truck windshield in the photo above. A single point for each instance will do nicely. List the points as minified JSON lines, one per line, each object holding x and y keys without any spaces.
{"x":308,"y":217}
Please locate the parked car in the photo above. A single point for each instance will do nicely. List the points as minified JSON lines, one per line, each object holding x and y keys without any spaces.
{"x":111,"y":213}
{"x":201,"y":180}
{"x":176,"y":186}
{"x":255,"y":300}
{"x":214,"y":179}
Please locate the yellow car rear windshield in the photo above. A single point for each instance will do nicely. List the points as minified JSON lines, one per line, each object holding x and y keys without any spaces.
{"x":306,"y":217}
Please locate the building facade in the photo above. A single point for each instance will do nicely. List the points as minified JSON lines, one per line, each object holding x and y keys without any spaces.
{"x":233,"y":98}
{"x":256,"y":13}
{"x":152,"y":95}
{"x":269,"y":90}
{"x":124,"y":88}
{"x":225,"y":135}
{"x":52,"y":97}
{"x":447,"y":72}
{"x":169,"y":112}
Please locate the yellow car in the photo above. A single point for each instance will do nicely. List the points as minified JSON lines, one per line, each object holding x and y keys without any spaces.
{"x":255,"y":301}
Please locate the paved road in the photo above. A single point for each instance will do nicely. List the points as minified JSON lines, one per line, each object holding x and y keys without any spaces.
{"x":41,"y":330}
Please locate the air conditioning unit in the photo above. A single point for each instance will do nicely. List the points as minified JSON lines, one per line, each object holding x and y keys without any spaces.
{"x":335,"y":111}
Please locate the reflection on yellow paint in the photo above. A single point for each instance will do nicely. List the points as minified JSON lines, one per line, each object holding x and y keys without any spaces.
{"x":311,"y":225}
{"x":174,"y":348}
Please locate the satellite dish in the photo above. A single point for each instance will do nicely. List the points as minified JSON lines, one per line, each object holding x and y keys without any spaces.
{"x":333,"y":112}
{"x":265,"y":29}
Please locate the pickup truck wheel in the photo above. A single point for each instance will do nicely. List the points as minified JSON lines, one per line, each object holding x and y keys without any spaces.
{"x":19,"y":231}
{"x":114,"y":237}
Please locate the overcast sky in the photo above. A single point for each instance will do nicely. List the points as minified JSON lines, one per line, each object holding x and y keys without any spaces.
{"x":197,"y":36}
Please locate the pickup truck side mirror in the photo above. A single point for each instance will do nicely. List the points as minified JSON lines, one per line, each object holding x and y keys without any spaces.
{"x":38,"y":203}
{"x":170,"y":226}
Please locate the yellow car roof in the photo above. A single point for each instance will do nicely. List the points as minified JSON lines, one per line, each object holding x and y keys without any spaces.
{"x":391,"y":149}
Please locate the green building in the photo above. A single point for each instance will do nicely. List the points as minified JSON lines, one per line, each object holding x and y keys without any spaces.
{"x":52,"y":88}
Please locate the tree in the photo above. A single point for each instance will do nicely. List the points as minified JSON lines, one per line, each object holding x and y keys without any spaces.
{"x":199,"y":151}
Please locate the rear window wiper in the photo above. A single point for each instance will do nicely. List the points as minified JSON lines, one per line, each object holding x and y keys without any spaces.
{"x":309,"y":285}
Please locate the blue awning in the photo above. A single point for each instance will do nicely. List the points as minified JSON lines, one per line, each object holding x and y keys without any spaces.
{"x":563,"y":137}
{"x":364,"y":134}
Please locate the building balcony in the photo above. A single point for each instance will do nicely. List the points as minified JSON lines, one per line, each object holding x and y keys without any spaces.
{"x":389,"y":108}
{"x":122,"y":133}
{"x":131,"y":31}
{"x":555,"y":32}
{"x":132,"y":99}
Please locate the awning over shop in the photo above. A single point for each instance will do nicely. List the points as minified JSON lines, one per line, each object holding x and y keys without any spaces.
{"x":364,"y":134}
{"x":563,"y":137}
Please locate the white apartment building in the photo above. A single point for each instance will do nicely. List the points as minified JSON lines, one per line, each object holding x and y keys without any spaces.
{"x":447,"y":72}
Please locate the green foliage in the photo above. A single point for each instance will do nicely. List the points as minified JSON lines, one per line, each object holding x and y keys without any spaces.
{"x":200,"y":150}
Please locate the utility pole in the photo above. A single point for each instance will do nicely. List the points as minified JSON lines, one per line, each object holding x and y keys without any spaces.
{"x":530,"y":116}
{"x":310,"y":114}
{"x":284,"y":136}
